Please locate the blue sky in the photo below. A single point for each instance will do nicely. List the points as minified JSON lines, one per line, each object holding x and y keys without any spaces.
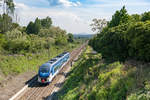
{"x":75,"y":15}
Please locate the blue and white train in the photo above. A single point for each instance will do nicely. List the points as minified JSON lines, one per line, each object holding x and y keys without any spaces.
{"x":50,"y":69}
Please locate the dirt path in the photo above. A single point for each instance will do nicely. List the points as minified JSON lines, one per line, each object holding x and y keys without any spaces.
{"x":15,"y":84}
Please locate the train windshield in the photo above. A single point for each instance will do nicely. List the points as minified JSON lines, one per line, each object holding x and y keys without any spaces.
{"x":44,"y":70}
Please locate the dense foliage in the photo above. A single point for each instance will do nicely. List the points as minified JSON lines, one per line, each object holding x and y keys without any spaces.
{"x":92,"y":78}
{"x":6,"y":23}
{"x":40,"y":35}
{"x":119,"y":17}
{"x":125,"y":37}
{"x":34,"y":28}
{"x":70,"y":37}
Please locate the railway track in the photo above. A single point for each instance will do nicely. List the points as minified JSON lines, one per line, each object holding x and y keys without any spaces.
{"x":36,"y":91}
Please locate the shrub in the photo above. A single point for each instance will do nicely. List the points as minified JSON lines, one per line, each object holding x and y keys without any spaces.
{"x":16,"y":46}
{"x":139,"y":42}
{"x":146,"y":16}
{"x":112,"y":43}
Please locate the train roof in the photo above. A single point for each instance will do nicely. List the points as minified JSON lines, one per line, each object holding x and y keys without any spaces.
{"x":59,"y":56}
{"x":53,"y":60}
{"x":50,"y":62}
{"x":65,"y":52}
{"x":62,"y":54}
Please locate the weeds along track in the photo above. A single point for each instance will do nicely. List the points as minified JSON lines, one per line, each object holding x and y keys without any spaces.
{"x":35,"y":91}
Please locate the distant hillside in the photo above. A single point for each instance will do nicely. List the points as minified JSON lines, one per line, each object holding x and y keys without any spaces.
{"x":83,"y":35}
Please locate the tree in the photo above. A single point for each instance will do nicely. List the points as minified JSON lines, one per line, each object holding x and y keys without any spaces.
{"x":6,"y":20}
{"x":61,"y":37}
{"x":70,"y":37}
{"x":5,"y":23}
{"x":119,"y":17}
{"x":29,"y":28}
{"x":146,"y":16}
{"x":34,"y":28}
{"x":2,"y":40}
{"x":10,"y":8}
{"x":125,"y":39}
{"x":111,"y":42}
{"x":98,"y":24}
{"x":15,"y":25}
{"x":46,"y":23}
{"x":139,"y":43}
{"x":37,"y":26}
{"x":61,"y":40}
{"x":136,"y":17}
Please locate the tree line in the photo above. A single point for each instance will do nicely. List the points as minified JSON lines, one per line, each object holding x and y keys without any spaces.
{"x":37,"y":35}
{"x":125,"y":37}
{"x":34,"y":37}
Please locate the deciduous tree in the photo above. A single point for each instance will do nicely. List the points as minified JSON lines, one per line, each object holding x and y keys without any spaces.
{"x":98,"y":24}
{"x":119,"y":17}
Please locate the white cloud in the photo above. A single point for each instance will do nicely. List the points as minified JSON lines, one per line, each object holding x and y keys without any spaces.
{"x":20,"y":6}
{"x":65,"y":3}
{"x":67,"y":20}
{"x":77,"y":19}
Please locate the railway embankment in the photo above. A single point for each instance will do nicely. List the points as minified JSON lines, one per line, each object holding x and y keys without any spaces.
{"x":94,"y":78}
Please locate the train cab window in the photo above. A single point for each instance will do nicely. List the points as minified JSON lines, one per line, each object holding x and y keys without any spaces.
{"x":44,"y":70}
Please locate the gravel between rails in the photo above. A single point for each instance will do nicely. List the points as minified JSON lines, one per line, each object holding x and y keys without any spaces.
{"x":36,"y":91}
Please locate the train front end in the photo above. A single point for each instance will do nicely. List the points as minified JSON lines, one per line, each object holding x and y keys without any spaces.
{"x":44,"y":75}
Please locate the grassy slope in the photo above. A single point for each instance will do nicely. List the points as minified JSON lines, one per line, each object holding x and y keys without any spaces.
{"x":15,"y":64}
{"x":92,"y":78}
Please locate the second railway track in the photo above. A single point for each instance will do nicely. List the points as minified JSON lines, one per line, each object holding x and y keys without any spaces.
{"x":35,"y":91}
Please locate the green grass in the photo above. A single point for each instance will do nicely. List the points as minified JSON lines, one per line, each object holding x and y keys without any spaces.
{"x":12,"y":65}
{"x":1,"y":78}
{"x":93,"y":78}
